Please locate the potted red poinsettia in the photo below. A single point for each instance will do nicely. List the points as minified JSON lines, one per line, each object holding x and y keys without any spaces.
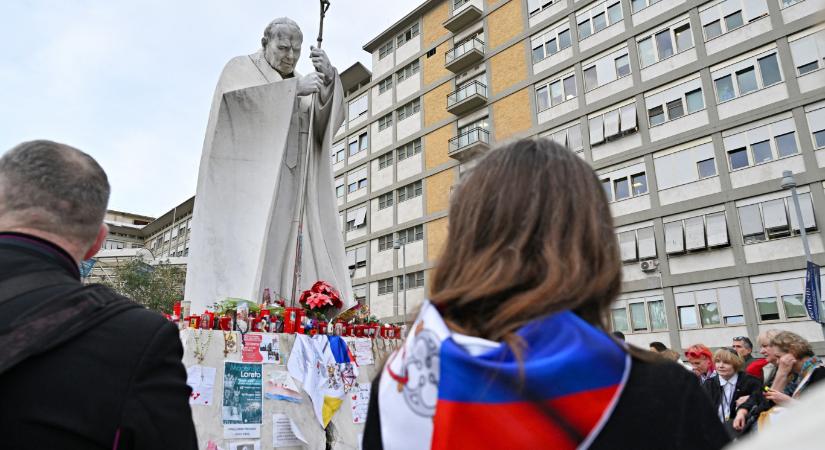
{"x":321,"y":300}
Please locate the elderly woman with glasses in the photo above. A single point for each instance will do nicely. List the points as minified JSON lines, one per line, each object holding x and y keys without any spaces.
{"x":730,"y":384}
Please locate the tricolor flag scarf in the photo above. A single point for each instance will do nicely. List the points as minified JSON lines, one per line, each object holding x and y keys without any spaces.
{"x":326,"y":371}
{"x":439,"y":394}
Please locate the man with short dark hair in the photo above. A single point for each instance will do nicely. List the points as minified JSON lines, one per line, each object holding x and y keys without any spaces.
{"x":657,"y":347}
{"x":81,"y":367}
{"x":744,"y":348}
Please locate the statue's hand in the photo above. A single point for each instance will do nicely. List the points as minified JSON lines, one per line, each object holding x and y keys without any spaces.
{"x":310,"y":84}
{"x":321,"y":62}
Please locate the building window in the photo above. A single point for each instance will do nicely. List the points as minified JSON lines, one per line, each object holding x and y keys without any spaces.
{"x":407,"y":35}
{"x":359,"y":145}
{"x":676,"y":102}
{"x":556,"y":91}
{"x":639,"y":316}
{"x":409,"y":109}
{"x":385,"y":122}
{"x":385,"y":286}
{"x":409,"y":149}
{"x":337,"y":153}
{"x":625,"y":186}
{"x":815,"y":115}
{"x":606,"y":69}
{"x":356,"y":259}
{"x":412,"y":234}
{"x":570,"y":137}
{"x":385,"y":242}
{"x":775,"y":219}
{"x":385,"y":85}
{"x":710,"y":308}
{"x":761,"y":144}
{"x":637,"y":245}
{"x":385,"y":160}
{"x":385,"y":50}
{"x":408,"y":71}
{"x":551,"y":42}
{"x":340,"y":189}
{"x":729,"y":15}
{"x":356,"y":218}
{"x":358,"y":107}
{"x":385,"y":201}
{"x":706,"y":168}
{"x":747,"y":79}
{"x":638,"y":5}
{"x":537,"y":6}
{"x":357,"y":180}
{"x":780,"y":300}
{"x":598,"y":18}
{"x":696,"y":233}
{"x":665,"y":43}
{"x":410,"y":191}
{"x":414,"y":280}
{"x":808,"y":51}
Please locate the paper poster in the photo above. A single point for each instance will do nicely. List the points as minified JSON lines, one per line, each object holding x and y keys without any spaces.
{"x":360,"y":399}
{"x":281,"y":386}
{"x":270,"y":349}
{"x":285,"y":433}
{"x":242,"y":393}
{"x":245,"y":445}
{"x":202,"y":381}
{"x":363,"y":351}
{"x":238,"y":431}
{"x":251,"y":348}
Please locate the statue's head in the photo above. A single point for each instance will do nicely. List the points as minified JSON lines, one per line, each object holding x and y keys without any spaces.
{"x":282,"y":44}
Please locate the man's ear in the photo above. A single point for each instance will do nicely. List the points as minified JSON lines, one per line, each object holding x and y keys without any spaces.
{"x":263,"y":42}
{"x":102,"y":232}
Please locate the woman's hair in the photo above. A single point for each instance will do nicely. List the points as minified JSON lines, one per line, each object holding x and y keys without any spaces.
{"x":669,"y":354}
{"x":729,"y":356}
{"x":789,"y":342}
{"x":530,"y":234}
{"x":766,"y":336}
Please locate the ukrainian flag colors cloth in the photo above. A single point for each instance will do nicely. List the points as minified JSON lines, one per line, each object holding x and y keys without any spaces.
{"x":446,"y":391}
{"x":326,"y":370}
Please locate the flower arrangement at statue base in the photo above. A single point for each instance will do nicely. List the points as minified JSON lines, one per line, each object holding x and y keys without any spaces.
{"x":319,"y":302}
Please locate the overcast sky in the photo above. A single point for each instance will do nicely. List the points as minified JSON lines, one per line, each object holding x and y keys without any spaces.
{"x":130,"y":82}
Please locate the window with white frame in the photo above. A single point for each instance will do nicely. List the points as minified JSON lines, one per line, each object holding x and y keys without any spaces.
{"x":675,"y":102}
{"x":536,"y":6}
{"x":555,"y":91}
{"x":385,"y":160}
{"x":598,"y":18}
{"x":638,"y":5}
{"x":780,"y":300}
{"x":413,"y":280}
{"x":384,"y":122}
{"x":411,"y":234}
{"x":702,"y":232}
{"x":385,"y":85}
{"x":815,"y":115}
{"x":624,"y":187}
{"x":356,"y":218}
{"x":708,"y":308}
{"x":747,"y":76}
{"x":775,"y":219}
{"x":360,"y":293}
{"x":356,"y":258}
{"x":408,"y":71}
{"x":410,"y":191}
{"x":385,"y":242}
{"x":385,"y":286}
{"x":548,"y":43}
{"x":569,"y":136}
{"x":407,"y":35}
{"x":637,"y":245}
{"x":340,"y":188}
{"x":665,"y":42}
{"x":358,"y":107}
{"x":409,"y":149}
{"x":688,"y":165}
{"x":357,"y":179}
{"x":359,"y":144}
{"x":409,"y":109}
{"x":385,"y":201}
{"x":639,"y":315}
{"x":786,"y":3}
{"x":606,"y":69}
{"x":724,"y":16}
{"x":761,"y":144}
{"x":385,"y":50}
{"x":808,"y":51}
{"x":612,"y":124}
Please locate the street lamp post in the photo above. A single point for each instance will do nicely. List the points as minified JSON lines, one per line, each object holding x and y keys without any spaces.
{"x":788,"y":182}
{"x":400,"y":244}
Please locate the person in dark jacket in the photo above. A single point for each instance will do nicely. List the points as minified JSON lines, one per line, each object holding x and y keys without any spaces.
{"x":81,"y":367}
{"x":529,"y":273}
{"x":729,"y":385}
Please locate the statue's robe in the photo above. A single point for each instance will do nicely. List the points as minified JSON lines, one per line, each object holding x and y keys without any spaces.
{"x":245,"y":220}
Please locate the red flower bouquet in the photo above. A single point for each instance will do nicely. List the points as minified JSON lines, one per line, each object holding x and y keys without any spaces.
{"x":321,"y":299}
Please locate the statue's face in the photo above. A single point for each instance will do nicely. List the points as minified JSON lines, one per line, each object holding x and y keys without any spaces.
{"x":283,"y":51}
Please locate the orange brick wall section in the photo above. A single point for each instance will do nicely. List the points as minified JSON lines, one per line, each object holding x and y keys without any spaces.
{"x":511,"y":115}
{"x":436,"y":232}
{"x":436,"y":146}
{"x":434,"y":66}
{"x":433,"y":28}
{"x":504,"y":24}
{"x":438,"y":191}
{"x":508,"y":67}
{"x":435,"y":104}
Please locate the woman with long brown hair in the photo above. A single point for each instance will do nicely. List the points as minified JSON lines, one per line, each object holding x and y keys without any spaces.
{"x":511,"y":350}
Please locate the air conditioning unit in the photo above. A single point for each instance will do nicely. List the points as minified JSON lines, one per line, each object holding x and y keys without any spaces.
{"x":649,"y":266}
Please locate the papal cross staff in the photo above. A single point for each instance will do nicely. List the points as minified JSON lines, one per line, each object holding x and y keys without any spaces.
{"x":302,"y":193}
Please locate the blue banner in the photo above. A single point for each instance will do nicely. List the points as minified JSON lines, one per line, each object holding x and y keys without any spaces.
{"x":813,"y":291}
{"x":86,"y":267}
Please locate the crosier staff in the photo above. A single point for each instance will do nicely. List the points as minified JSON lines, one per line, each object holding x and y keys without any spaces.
{"x":302,"y":193}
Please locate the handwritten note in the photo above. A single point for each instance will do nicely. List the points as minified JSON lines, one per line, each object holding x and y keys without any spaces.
{"x":360,"y":398}
{"x":363,"y":352}
{"x":202,"y":381}
{"x":285,"y":433}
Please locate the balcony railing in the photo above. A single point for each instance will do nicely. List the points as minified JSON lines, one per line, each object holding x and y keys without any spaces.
{"x":464,"y":55}
{"x":467,"y":97}
{"x":463,"y":16}
{"x":474,"y":138}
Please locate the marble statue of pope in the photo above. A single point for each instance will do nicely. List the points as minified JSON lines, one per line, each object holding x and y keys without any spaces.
{"x":245,"y":220}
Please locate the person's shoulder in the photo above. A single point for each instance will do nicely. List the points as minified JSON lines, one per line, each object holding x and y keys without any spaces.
{"x":660,"y":370}
{"x":137,"y":320}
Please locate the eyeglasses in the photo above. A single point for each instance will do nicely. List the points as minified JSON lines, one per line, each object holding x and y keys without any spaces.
{"x":693,"y":354}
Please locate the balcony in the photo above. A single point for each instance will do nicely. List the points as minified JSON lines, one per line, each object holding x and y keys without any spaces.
{"x":462,"y":18}
{"x":467,"y":98}
{"x":464,"y":55}
{"x":469,"y":144}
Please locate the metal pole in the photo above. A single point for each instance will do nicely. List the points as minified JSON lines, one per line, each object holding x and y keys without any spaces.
{"x":404,"y":276}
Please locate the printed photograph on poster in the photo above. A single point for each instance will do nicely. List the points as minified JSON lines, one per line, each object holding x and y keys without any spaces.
{"x":270,"y":349}
{"x":285,"y":432}
{"x":281,"y":386}
{"x":242,"y":393}
{"x":246,"y":445}
{"x":202,"y":381}
{"x":360,"y":398}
